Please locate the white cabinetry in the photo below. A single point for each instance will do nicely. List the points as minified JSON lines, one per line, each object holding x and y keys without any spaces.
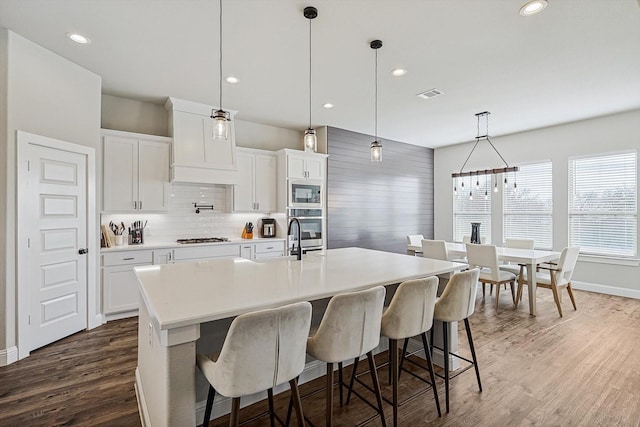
{"x":264,"y":250}
{"x":305,"y":165}
{"x":119,"y":282}
{"x":256,"y":187}
{"x":162,"y":256}
{"x":194,"y":253}
{"x":136,"y":172}
{"x":196,"y":156}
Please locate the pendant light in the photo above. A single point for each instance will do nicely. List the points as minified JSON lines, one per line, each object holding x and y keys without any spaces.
{"x":220,"y":117}
{"x":310,"y":138}
{"x":376,"y":146}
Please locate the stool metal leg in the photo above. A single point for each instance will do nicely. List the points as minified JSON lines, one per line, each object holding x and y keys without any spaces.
{"x":473,"y":351}
{"x":329,"y":409}
{"x":376,"y":386}
{"x":234,"y":421}
{"x":354,"y":369}
{"x":272,"y":420}
{"x":297,"y":403}
{"x":445,"y":340}
{"x":207,"y":409}
{"x":427,"y":352}
{"x":404,"y":352}
{"x":394,"y":374}
{"x":340,"y":381}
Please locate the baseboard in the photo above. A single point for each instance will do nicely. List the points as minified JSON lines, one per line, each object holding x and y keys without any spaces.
{"x":8,"y":356}
{"x":606,"y":289}
{"x":118,"y":316}
{"x":98,"y":320}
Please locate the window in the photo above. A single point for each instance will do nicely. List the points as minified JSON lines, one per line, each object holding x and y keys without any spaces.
{"x":478,"y":209}
{"x":603,"y":213}
{"x":528,"y":212}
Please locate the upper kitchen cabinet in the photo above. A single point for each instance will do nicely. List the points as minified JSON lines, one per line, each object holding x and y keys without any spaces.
{"x":196,"y":156}
{"x":135,"y":172}
{"x":305,"y":165}
{"x":256,"y":187}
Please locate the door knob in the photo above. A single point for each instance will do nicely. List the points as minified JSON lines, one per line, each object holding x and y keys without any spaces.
{"x":82,"y":251}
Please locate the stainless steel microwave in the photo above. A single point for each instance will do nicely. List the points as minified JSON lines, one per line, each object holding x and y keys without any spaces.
{"x":305,"y":194}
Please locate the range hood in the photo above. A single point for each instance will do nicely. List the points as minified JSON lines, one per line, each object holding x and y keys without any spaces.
{"x":195,"y":156}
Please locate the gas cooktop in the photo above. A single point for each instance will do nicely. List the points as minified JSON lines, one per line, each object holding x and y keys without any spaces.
{"x":203,"y":240}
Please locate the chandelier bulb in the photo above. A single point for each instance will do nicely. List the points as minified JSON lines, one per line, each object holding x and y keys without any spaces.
{"x":515,"y":187}
{"x":455,"y":190}
{"x":505,"y":183}
{"x":486,"y":195}
{"x":495,"y":187}
{"x":470,"y":195}
{"x":477,"y":184}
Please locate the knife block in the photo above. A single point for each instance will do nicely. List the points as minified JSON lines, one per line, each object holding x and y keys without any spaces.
{"x":247,"y":235}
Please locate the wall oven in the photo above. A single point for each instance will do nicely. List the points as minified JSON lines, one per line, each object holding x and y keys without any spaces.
{"x":305,"y":194}
{"x":312,"y":229}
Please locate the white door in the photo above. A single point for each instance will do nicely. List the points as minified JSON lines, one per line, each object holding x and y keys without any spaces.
{"x":56,"y":259}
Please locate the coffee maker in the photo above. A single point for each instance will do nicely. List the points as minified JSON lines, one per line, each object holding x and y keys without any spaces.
{"x":267,"y":227}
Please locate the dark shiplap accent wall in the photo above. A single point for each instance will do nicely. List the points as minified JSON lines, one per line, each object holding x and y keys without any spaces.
{"x":374,"y":205}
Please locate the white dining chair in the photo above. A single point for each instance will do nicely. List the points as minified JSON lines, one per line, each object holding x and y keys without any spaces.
{"x":555,"y":276}
{"x":261,"y":350}
{"x":413,"y":240}
{"x":486,"y":258}
{"x":516,"y":244}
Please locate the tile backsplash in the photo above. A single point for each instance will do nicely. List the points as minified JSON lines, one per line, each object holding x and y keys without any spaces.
{"x":181,"y":221}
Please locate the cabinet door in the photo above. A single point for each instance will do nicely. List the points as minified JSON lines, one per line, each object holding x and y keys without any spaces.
{"x":120,"y":174}
{"x":315,"y":167}
{"x":153,"y":173}
{"x":243,"y":199}
{"x":120,"y":289}
{"x":188,"y":137}
{"x":163,"y":256}
{"x":265,"y":182}
{"x":246,"y":251}
{"x":296,"y":166}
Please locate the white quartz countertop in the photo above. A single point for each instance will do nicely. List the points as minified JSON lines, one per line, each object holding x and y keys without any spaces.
{"x":163,"y":245}
{"x":185,"y":294}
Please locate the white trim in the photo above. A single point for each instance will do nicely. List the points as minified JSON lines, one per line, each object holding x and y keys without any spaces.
{"x":601,"y":259}
{"x":142,"y":403}
{"x":8,"y":356}
{"x":134,"y":135}
{"x":606,"y":289}
{"x":94,"y":317}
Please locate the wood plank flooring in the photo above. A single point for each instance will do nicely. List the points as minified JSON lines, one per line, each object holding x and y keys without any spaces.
{"x":580,"y":370}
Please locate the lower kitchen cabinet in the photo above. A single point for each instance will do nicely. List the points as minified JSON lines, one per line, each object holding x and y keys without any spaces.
{"x":264,"y":250}
{"x":119,"y":282}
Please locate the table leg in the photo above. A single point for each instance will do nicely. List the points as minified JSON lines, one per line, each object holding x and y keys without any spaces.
{"x":531,"y":278}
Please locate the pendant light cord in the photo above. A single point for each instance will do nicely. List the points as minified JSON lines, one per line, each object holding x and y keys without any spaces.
{"x":220,"y":106}
{"x":309,"y":73}
{"x":376,"y":96}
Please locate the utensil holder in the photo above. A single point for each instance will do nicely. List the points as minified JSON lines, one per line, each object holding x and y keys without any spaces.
{"x":136,"y":237}
{"x":119,"y":240}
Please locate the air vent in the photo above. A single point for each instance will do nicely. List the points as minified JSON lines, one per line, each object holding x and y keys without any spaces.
{"x":431,"y":93}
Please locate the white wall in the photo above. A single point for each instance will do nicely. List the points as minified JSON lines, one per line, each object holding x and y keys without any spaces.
{"x":558,"y":143}
{"x":4,"y":40}
{"x":131,"y":115}
{"x":50,"y":96}
{"x":265,"y":137}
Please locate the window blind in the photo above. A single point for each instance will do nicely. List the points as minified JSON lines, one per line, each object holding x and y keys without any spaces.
{"x":528,"y":212}
{"x":466,"y":211}
{"x":603,"y":213}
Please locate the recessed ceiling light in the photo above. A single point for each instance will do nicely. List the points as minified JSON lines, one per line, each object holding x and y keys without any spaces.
{"x":532,"y":7}
{"x":232,"y":79}
{"x":78,"y":38}
{"x":327,"y":105}
{"x":398,"y":72}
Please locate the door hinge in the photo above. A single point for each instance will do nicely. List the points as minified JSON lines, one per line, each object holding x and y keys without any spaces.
{"x":28,"y":243}
{"x":28,"y":165}
{"x":29,"y":319}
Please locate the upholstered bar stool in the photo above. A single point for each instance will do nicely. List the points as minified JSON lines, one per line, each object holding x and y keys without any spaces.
{"x":261,"y":350}
{"x":410,"y":314}
{"x":350,"y":328}
{"x":457,"y":303}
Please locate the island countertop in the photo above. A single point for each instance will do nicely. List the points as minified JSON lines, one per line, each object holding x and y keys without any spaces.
{"x":186,"y":294}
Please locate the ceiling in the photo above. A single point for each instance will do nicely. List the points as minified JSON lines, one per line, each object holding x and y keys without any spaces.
{"x":577,"y":59}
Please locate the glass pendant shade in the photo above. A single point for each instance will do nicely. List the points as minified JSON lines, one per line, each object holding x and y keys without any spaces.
{"x":376,"y":151}
{"x":310,"y":140}
{"x":220,"y":124}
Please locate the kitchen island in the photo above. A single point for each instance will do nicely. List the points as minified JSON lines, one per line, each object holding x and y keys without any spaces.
{"x":176,"y":299}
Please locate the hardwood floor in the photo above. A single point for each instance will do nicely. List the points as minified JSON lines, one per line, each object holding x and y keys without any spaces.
{"x":580,"y":370}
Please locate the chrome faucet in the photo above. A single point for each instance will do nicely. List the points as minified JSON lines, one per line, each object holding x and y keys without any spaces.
{"x":299,"y":252}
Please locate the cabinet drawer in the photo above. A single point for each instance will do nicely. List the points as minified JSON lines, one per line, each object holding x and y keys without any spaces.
{"x":127,"y":257}
{"x":277,"y":246}
{"x":203,"y":252}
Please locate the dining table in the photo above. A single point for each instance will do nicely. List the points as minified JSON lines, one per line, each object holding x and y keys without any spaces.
{"x":531,"y":258}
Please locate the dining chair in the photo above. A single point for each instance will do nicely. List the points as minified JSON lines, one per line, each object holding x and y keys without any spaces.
{"x":486,"y":258}
{"x":555,"y":276}
{"x":413,"y":240}
{"x":350,"y":328}
{"x":261,"y":350}
{"x":435,"y":249}
{"x":457,"y":303}
{"x":410,"y":314}
{"x":516,"y":244}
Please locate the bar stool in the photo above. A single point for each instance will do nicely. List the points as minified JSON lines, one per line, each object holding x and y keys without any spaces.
{"x":349,"y":329}
{"x":457,"y":303}
{"x":261,"y":350}
{"x":410,"y":314}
